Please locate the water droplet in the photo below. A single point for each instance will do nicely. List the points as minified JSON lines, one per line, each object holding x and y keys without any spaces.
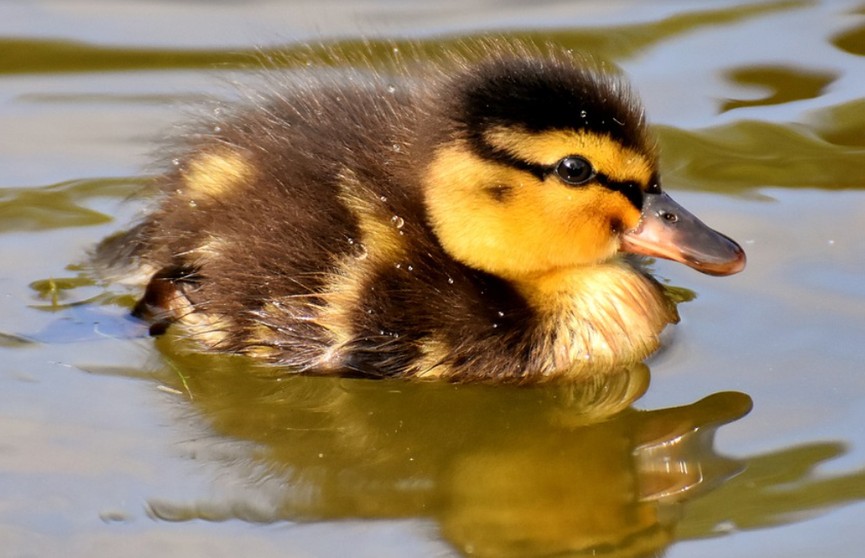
{"x":583,"y":114}
{"x":397,"y":221}
{"x":501,"y":314}
{"x":360,"y":252}
{"x":450,"y":280}
{"x":396,"y":50}
{"x":217,"y":111}
{"x":391,"y":89}
{"x":396,"y":148}
{"x":383,"y":198}
{"x":217,"y":129}
{"x":175,"y":162}
{"x":495,"y":326}
{"x":192,"y":203}
{"x":398,"y":266}
{"x":410,"y":268}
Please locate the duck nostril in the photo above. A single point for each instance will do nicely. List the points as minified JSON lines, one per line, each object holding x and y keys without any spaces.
{"x":668,"y":217}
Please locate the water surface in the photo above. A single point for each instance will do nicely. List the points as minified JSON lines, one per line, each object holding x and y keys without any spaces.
{"x":112,"y":444}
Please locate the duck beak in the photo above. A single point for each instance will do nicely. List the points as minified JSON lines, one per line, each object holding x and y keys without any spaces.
{"x":667,"y":230}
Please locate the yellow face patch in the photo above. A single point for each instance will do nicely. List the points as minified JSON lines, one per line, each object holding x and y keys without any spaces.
{"x":213,"y":174}
{"x":508,"y":222}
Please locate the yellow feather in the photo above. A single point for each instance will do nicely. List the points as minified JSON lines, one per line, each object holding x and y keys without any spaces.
{"x":213,"y":174}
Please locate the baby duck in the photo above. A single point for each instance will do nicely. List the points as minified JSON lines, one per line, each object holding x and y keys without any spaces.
{"x":467,"y":223}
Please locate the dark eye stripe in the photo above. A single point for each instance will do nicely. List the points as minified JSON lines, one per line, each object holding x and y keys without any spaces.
{"x":654,"y":185}
{"x":631,"y":190}
{"x":486,"y":151}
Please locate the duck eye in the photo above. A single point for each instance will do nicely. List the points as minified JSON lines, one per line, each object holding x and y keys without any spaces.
{"x":575,"y":170}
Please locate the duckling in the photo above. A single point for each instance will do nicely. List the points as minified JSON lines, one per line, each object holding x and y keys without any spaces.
{"x":469,"y":222}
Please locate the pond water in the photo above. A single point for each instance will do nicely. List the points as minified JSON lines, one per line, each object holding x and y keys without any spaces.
{"x":112,"y":444}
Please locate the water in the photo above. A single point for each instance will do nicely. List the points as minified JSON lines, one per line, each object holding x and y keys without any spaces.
{"x":113,"y":445}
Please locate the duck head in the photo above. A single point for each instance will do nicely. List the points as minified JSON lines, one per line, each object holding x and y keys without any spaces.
{"x":544,"y":163}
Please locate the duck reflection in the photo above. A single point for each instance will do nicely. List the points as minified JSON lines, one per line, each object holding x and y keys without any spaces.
{"x":503,"y":471}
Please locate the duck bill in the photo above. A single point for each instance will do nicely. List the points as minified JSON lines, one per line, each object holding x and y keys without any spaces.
{"x":667,"y":230}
